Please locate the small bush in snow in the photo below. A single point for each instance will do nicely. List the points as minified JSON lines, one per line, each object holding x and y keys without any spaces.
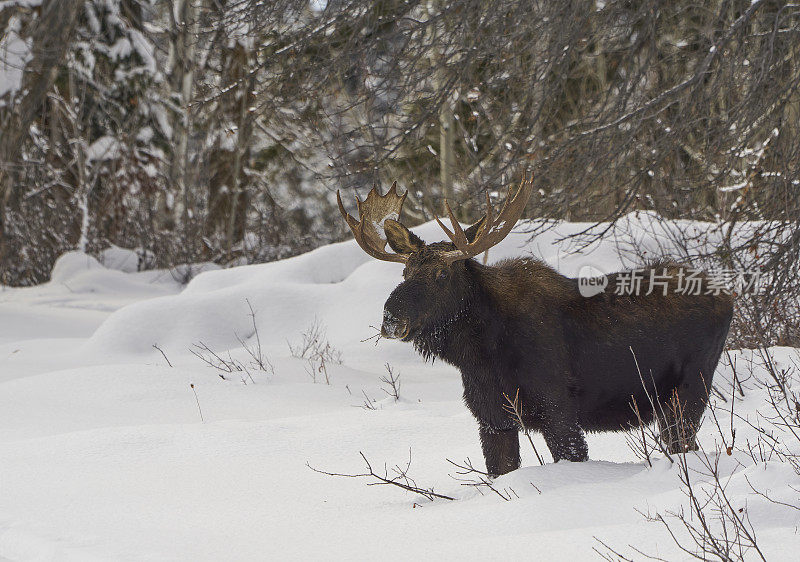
{"x":258,"y":361}
{"x":315,"y":348}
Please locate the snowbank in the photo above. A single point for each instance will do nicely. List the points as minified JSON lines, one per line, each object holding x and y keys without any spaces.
{"x":338,"y":286}
{"x":115,"y":450}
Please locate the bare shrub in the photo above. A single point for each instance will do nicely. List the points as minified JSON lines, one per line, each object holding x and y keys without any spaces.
{"x":717,"y":528}
{"x":712,"y":525}
{"x":225,"y":363}
{"x":391,"y":380}
{"x":642,"y":439}
{"x":470,"y":476}
{"x":396,"y":476}
{"x":315,"y":348}
{"x":514,"y":409}
{"x":369,"y":403}
{"x":197,"y":400}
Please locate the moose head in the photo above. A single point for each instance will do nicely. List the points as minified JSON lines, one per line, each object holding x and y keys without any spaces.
{"x":437,"y":281}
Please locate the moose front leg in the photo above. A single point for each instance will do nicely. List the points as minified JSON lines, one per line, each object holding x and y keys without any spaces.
{"x":565,"y":441}
{"x":500,"y":449}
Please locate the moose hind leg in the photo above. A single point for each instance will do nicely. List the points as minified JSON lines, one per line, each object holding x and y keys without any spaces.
{"x":500,"y":450}
{"x":682,"y":411}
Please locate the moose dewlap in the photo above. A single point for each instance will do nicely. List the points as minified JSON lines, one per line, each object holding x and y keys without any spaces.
{"x":519,"y":328}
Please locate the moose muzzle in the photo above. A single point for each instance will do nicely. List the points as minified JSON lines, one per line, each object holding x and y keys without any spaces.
{"x":393,"y":327}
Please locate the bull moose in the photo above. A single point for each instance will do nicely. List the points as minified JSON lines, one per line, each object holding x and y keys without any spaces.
{"x":519,"y":328}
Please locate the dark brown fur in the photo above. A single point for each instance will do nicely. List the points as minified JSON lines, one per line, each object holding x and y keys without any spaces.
{"x":521,"y":326}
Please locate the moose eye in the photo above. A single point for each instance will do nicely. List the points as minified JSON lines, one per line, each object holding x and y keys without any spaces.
{"x":441,"y":276}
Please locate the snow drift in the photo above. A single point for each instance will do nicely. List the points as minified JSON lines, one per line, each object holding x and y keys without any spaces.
{"x":109,"y":453}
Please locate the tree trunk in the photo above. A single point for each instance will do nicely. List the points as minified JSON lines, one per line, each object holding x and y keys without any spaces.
{"x":182,"y":58}
{"x":50,"y":37}
{"x":241,"y":153}
{"x":446,"y":149}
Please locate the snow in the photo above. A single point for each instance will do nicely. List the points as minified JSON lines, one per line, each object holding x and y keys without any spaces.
{"x":15,"y":53}
{"x":144,"y":49}
{"x":120,"y":259}
{"x":104,"y":148}
{"x":6,"y":4}
{"x":378,"y":225}
{"x":105,"y":456}
{"x":121,"y":49}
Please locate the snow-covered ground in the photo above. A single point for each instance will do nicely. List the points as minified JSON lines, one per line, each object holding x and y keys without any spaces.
{"x":104,"y":455}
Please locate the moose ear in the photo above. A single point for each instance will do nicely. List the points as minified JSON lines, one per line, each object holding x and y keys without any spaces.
{"x":473,"y":230}
{"x":400,"y":239}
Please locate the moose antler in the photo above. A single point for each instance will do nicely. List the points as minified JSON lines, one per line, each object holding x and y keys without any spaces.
{"x":493,"y":230}
{"x":372,"y":212}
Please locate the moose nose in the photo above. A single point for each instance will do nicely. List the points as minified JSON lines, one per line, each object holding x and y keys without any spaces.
{"x":393,"y":327}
